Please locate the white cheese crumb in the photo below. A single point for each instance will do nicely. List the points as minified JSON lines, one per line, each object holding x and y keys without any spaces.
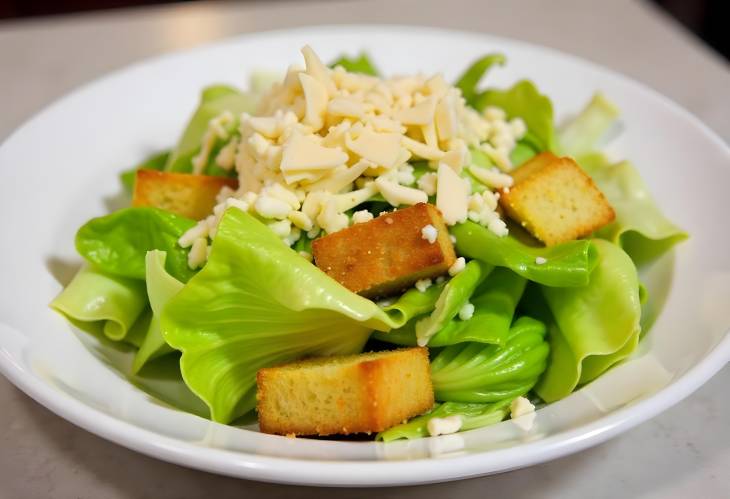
{"x":498,"y":226}
{"x":457,"y":266}
{"x":361,"y":216}
{"x":522,"y":413}
{"x":198,"y":253}
{"x":385,"y":302}
{"x":271,"y":207}
{"x":453,"y":238}
{"x":196,"y":232}
{"x":306,"y":255}
{"x":540,"y":260}
{"x":444,"y":426}
{"x":423,"y":284}
{"x":429,"y":233}
{"x":466,"y":312}
{"x":282,"y":228}
{"x":427,"y":183}
{"x":301,"y":220}
{"x":440,"y":279}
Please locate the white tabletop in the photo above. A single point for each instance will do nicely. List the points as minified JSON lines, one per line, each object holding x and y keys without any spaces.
{"x":684,"y":452}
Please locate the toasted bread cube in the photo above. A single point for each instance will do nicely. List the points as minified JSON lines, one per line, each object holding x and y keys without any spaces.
{"x":192,"y":196}
{"x":555,"y":200}
{"x":387,"y":254}
{"x":362,"y":393}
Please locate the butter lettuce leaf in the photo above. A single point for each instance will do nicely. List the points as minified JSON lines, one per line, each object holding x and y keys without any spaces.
{"x":640,"y":227}
{"x":161,"y":287}
{"x":595,"y":326}
{"x":568,"y":264}
{"x":582,"y":134}
{"x":523,"y":100}
{"x":214,"y":100}
{"x":469,"y":81}
{"x":472,"y":416}
{"x":477,"y":372}
{"x":101,"y":303}
{"x":257,"y":303}
{"x":117,"y":243}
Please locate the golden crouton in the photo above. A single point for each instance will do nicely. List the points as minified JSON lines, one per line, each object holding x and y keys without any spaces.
{"x":555,"y":200}
{"x":192,"y":196}
{"x":362,"y":393}
{"x":387,"y":254}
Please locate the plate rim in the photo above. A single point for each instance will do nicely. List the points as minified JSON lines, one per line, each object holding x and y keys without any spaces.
{"x":316,"y":472}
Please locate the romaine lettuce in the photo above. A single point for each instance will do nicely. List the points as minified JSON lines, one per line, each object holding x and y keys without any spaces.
{"x":214,"y":100}
{"x":567,"y":264}
{"x":360,"y":64}
{"x":472,"y":416}
{"x":99,"y":302}
{"x":117,"y":243}
{"x":161,"y":287}
{"x":595,"y":326}
{"x":469,"y":81}
{"x":582,"y":134}
{"x":478,"y":372}
{"x":257,"y":303}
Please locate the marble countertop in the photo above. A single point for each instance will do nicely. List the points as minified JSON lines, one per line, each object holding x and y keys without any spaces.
{"x":685,"y":452}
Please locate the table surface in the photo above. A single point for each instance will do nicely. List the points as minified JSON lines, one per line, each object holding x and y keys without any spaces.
{"x":684,"y":452}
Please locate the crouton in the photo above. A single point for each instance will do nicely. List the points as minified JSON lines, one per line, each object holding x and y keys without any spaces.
{"x":192,"y":196}
{"x":555,"y":200}
{"x":362,"y":393}
{"x":389,"y":253}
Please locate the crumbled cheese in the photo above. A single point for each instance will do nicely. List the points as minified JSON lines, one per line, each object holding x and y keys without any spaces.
{"x":427,"y":183}
{"x":361,"y":216}
{"x":444,"y":426}
{"x":522,"y":413}
{"x":301,"y":220}
{"x":306,"y":255}
{"x":498,"y":227}
{"x":457,"y":266}
{"x":493,"y":179}
{"x":466,"y":312}
{"x":540,"y":260}
{"x":199,"y":230}
{"x":429,"y":233}
{"x":198,"y":253}
{"x":282,"y":228}
{"x":385,"y":302}
{"x":453,"y":238}
{"x":271,"y":207}
{"x":440,"y":279}
{"x":423,"y":284}
{"x":398,"y":195}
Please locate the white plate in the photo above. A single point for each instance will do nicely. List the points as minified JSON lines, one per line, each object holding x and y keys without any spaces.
{"x":61,"y":168}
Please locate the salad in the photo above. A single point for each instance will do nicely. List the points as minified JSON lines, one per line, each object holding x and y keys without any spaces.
{"x":335,"y":211}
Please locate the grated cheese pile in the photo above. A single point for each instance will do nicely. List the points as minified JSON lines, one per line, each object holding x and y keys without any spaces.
{"x":324,"y":141}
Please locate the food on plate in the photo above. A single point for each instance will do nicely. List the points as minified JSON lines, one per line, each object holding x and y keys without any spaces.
{"x":334,"y":211}
{"x":387,"y":254}
{"x":555,"y":200}
{"x":192,"y":196}
{"x":363,"y":393}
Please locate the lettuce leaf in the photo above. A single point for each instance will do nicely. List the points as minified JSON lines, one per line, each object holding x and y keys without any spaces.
{"x":477,"y":372}
{"x":523,"y":100}
{"x":469,"y":81}
{"x":454,"y":296}
{"x":595,"y":326}
{"x":494,"y":300}
{"x":413,"y":303}
{"x":360,"y":64}
{"x":472,"y":416}
{"x":161,"y":287}
{"x":117,"y":243}
{"x":257,"y":303}
{"x":640,"y":227}
{"x":568,"y":264}
{"x":213,"y":101}
{"x":99,"y":302}
{"x":582,"y":134}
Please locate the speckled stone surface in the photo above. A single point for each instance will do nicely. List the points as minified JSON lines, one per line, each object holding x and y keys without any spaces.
{"x":685,"y":452}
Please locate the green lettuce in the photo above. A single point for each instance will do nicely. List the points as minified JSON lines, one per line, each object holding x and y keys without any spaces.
{"x":102,"y":303}
{"x":481,"y":373}
{"x":523,"y":100}
{"x":640,"y":227}
{"x":360,"y":64}
{"x":567,"y":264}
{"x":155,"y":162}
{"x":257,"y":303}
{"x":454,"y":296}
{"x":582,"y":134}
{"x":117,"y":243}
{"x":595,"y":326}
{"x":161,"y":287}
{"x":411,"y":304}
{"x":494,"y":300}
{"x":214,"y":100}
{"x":469,"y":81}
{"x":472,"y":416}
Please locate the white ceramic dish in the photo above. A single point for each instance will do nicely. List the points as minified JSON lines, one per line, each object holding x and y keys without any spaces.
{"x":61,"y":168}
